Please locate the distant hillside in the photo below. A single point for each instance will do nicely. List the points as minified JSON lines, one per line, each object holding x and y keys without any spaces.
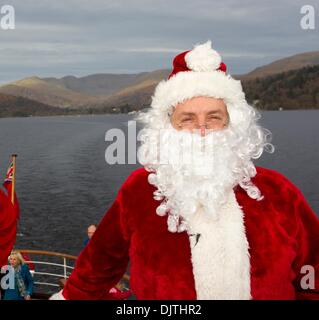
{"x":45,"y":92}
{"x":105,"y":84}
{"x":84,"y":92}
{"x":283,"y":65}
{"x":272,"y":85}
{"x":136,"y":96}
{"x":11,"y":106}
{"x":294,"y":89}
{"x":94,"y":85}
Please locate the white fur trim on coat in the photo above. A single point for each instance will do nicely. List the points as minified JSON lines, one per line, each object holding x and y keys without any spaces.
{"x":57,"y":296}
{"x":221,"y":263}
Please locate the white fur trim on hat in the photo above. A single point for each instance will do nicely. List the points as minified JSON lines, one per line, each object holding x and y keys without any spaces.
{"x":189,"y":84}
{"x":203,"y":58}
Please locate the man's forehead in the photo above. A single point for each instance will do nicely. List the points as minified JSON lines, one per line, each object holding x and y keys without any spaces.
{"x":201,"y":101}
{"x":190,"y":113}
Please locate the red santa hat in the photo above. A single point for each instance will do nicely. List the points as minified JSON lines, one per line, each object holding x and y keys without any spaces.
{"x":198,"y":72}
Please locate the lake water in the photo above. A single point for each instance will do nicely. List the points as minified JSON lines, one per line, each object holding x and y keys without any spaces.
{"x":64,"y":184}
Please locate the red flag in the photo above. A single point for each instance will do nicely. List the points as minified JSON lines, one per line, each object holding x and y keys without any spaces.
{"x":9,"y":175}
{"x":8,"y":227}
{"x":8,"y":187}
{"x":8,"y":182}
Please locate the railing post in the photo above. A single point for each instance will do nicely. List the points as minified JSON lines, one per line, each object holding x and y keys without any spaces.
{"x":64,"y":267}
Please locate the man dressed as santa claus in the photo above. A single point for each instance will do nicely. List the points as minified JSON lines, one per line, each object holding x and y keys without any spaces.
{"x":199,"y":220}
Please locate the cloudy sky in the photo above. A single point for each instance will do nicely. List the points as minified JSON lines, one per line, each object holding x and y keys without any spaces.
{"x":80,"y":37}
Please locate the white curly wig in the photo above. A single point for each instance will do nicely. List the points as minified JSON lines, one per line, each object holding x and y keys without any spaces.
{"x":201,"y":72}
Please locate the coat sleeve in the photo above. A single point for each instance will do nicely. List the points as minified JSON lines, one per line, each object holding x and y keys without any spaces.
{"x":306,"y":265}
{"x":104,"y":260}
{"x":28,"y":281}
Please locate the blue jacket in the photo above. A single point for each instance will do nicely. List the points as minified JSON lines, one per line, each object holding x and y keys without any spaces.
{"x":14,"y":294}
{"x":86,"y":241}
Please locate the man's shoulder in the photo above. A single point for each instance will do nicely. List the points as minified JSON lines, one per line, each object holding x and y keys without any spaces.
{"x":137,"y":175}
{"x":283,"y":196}
{"x":266,"y":173}
{"x":274,"y":182}
{"x":136,"y":190}
{"x":137,"y":179}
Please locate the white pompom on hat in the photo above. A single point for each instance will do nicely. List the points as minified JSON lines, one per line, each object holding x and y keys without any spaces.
{"x":203,"y":58}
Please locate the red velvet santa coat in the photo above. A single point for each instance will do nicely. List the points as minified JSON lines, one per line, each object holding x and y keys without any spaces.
{"x":282,"y":233}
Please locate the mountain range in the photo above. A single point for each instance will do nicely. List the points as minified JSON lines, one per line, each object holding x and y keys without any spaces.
{"x":103,"y":93}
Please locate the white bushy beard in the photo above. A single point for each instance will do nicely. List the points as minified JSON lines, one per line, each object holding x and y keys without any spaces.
{"x":192,"y":172}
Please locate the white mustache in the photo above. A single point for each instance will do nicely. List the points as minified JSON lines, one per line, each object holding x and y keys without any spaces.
{"x":193,"y":172}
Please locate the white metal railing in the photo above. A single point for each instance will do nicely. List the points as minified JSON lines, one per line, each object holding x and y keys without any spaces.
{"x":51,"y":277}
{"x":48,"y":278}
{"x":52,"y":264}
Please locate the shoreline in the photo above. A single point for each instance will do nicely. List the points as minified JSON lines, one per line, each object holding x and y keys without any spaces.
{"x":128,"y":114}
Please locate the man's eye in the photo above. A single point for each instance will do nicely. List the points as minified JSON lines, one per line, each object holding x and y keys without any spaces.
{"x":186,"y":120}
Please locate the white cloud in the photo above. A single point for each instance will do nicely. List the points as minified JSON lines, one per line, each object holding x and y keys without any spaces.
{"x":80,"y":36}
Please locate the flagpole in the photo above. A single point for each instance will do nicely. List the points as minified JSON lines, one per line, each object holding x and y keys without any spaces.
{"x":14,"y":158}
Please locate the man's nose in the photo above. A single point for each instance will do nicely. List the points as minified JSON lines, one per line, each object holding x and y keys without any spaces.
{"x":202,"y":130}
